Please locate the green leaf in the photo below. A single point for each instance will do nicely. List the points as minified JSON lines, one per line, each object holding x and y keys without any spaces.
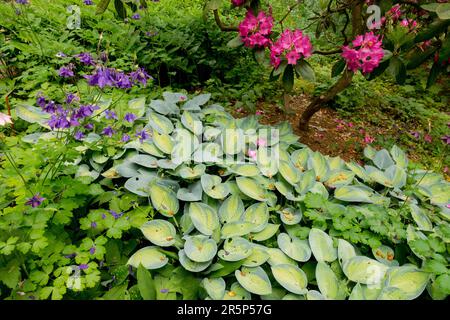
{"x":150,"y":257}
{"x":254,"y":280}
{"x":290,"y":277}
{"x":235,"y":42}
{"x":288,"y":78}
{"x":305,"y":70}
{"x":120,"y":9}
{"x":338,"y":67}
{"x":146,"y":284}
{"x":322,"y":246}
{"x":434,"y":74}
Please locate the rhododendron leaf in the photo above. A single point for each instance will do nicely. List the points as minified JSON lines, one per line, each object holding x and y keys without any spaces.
{"x":322,"y":246}
{"x":200,"y":248}
{"x":278,"y":71}
{"x":231,"y":209}
{"x":149,"y":257}
{"x":160,"y":123}
{"x":338,"y":67}
{"x":398,"y":70}
{"x":288,"y":78}
{"x":294,"y":248}
{"x":235,"y":249}
{"x":204,"y":218}
{"x":160,"y":232}
{"x":190,"y":265}
{"x":364,"y":270}
{"x":251,"y":189}
{"x":254,"y":280}
{"x":269,"y":231}
{"x":235,"y":42}
{"x":236,"y":229}
{"x":328,"y":283}
{"x":290,"y":277}
{"x":215,"y":287}
{"x":164,"y":200}
{"x":443,"y":11}
{"x":305,"y":70}
{"x":257,"y":214}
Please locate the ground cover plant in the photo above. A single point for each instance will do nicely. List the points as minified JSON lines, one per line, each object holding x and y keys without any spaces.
{"x":121,"y":177}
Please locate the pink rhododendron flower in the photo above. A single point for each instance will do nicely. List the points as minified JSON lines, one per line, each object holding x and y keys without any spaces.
{"x":428,"y":138}
{"x":252,"y":154}
{"x":293,"y":45}
{"x":369,"y":139}
{"x":237,"y":3}
{"x":366,"y":53}
{"x":4,"y":119}
{"x":261,"y":142}
{"x":395,"y":12}
{"x":259,"y":112}
{"x":255,"y":31}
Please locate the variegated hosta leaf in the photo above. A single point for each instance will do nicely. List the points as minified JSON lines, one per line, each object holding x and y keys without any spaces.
{"x":382,"y":159}
{"x":258,"y":257}
{"x":191,"y":194}
{"x":150,"y":148}
{"x":164,"y":200}
{"x":160,"y":123}
{"x":215,"y":287}
{"x":195,"y":172}
{"x":144,"y":161}
{"x":257,"y":214}
{"x":328,"y":283}
{"x":245,"y":170}
{"x":251,"y":188}
{"x":314,"y":295}
{"x":290,"y":216}
{"x":269,"y":231}
{"x":200,"y":248}
{"x":164,"y":107}
{"x":191,"y":265}
{"x":294,"y":248}
{"x":363,"y":292}
{"x":353,"y":194}
{"x":290,"y":277}
{"x":192,"y":123}
{"x":322,"y":246}
{"x":345,"y":251}
{"x":276,"y":257}
{"x":160,"y":232}
{"x":300,"y":158}
{"x":163,"y":142}
{"x":213,"y":186}
{"x":340,"y":178}
{"x":307,"y":181}
{"x":150,"y":258}
{"x":235,"y":249}
{"x":290,"y":173}
{"x":409,"y":280}
{"x":268,"y":161}
{"x":358,"y":170}
{"x":364,"y":270}
{"x":236,"y":229}
{"x":254,"y":280}
{"x":399,"y":157}
{"x":236,"y":292}
{"x":318,"y":163}
{"x":384,"y":254}
{"x":231,"y":209}
{"x":139,"y":185}
{"x":204,"y":218}
{"x":232,"y":141}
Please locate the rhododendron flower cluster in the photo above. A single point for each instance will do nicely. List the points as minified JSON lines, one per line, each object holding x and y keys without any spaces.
{"x":366,"y":53}
{"x":255,"y":30}
{"x":237,"y":3}
{"x":292,"y":45}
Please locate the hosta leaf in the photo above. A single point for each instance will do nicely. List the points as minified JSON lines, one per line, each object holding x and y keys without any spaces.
{"x":164,"y":107}
{"x":204,"y":218}
{"x":137,"y":106}
{"x":328,"y":283}
{"x":410,"y":280}
{"x":160,"y":123}
{"x":236,"y":229}
{"x":269,"y":231}
{"x":340,"y":178}
{"x":318,"y":163}
{"x":32,"y":114}
{"x":191,"y":194}
{"x":164,"y":200}
{"x":160,"y":232}
{"x":294,"y":248}
{"x":345,"y":251}
{"x":163,"y":142}
{"x":197,"y":171}
{"x":290,"y":216}
{"x":254,"y":280}
{"x":200,"y":248}
{"x":192,"y":123}
{"x":322,"y":246}
{"x":190,"y":265}
{"x":384,"y":254}
{"x":258,"y":215}
{"x":144,"y":161}
{"x":235,"y":249}
{"x":150,"y":258}
{"x":232,"y":141}
{"x":213,"y":186}
{"x":245,"y":170}
{"x":314,"y":295}
{"x":276,"y":257}
{"x":215,"y":287}
{"x":353,"y":194}
{"x":251,"y":188}
{"x":420,"y":217}
{"x":399,"y":157}
{"x":231,"y":209}
{"x":382,"y":159}
{"x":268,"y":161}
{"x":364,"y":270}
{"x":139,"y":185}
{"x":290,"y":277}
{"x":258,"y":257}
{"x":290,"y":173}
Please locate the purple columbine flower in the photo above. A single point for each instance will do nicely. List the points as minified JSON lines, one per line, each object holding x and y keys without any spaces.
{"x":115,"y":214}
{"x":70,"y":97}
{"x":61,"y":55}
{"x":108,"y":131}
{"x":125,"y":138}
{"x":79,"y":136}
{"x":50,"y":107}
{"x":35,"y":201}
{"x":40,"y":101}
{"x":93,"y":224}
{"x":88,"y":2}
{"x":85,"y":111}
{"x":101,"y":78}
{"x":86,"y":58}
{"x":58,"y":122}
{"x":89,"y":126}
{"x":130,"y":117}
{"x":446,"y":139}
{"x":415,"y":134}
{"x":83,"y":266}
{"x":92,"y":250}
{"x":70,"y":256}
{"x":136,"y":16}
{"x":66,"y":72}
{"x":140,"y":75}
{"x":142,"y":135}
{"x":164,"y":290}
{"x":121,"y":80}
{"x":109,"y":114}
{"x":22,"y":1}
{"x":104,"y":56}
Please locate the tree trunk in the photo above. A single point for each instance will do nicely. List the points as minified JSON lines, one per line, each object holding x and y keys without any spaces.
{"x":343,"y":82}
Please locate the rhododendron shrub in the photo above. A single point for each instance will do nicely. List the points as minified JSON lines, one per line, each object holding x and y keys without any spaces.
{"x":404,"y":36}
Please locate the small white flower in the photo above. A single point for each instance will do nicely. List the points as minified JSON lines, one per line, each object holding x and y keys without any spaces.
{"x":4,"y":119}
